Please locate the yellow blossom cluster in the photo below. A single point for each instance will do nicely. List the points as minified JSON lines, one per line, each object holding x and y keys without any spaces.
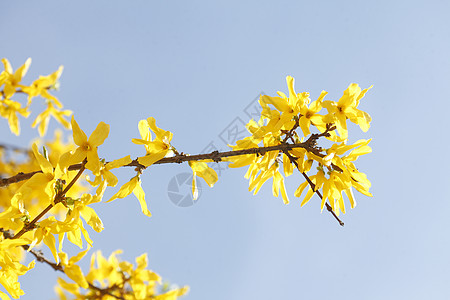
{"x":287,"y":120}
{"x":44,"y":200}
{"x":11,"y":84}
{"x":111,"y":278}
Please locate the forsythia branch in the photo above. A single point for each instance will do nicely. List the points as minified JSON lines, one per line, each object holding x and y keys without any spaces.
{"x":180,"y":158}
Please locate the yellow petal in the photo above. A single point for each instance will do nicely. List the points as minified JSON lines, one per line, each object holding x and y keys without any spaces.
{"x":3,"y":296}
{"x":99,"y":135}
{"x":93,"y":161}
{"x":201,"y":169}
{"x":79,"y":137}
{"x":144,"y":130}
{"x":45,"y":165}
{"x":165,"y":136}
{"x":92,"y":218}
{"x":20,"y":72}
{"x":74,"y":237}
{"x":287,"y":166}
{"x":78,"y":156}
{"x":7,"y":65}
{"x":292,"y":95}
{"x":70,"y":287}
{"x":349,"y":193}
{"x":139,"y":193}
{"x":50,"y":241}
{"x":279,"y":103}
{"x":78,"y":257}
{"x":119,"y":162}
{"x":125,"y":189}
{"x":150,"y":159}
{"x":194,"y":187}
{"x":300,"y":189}
{"x":74,"y":272}
{"x":308,"y":197}
{"x":304,"y":125}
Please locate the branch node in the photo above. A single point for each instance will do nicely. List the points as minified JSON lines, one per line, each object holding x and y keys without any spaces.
{"x":215,"y":156}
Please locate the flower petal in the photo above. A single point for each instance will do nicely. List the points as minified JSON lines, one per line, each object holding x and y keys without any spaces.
{"x":79,"y":137}
{"x":99,"y":135}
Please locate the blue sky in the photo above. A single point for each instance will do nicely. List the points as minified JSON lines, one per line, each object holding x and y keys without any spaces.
{"x":195,"y":66}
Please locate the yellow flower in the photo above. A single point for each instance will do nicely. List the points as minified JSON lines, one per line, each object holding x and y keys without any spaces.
{"x":284,"y":104}
{"x":309,"y":114}
{"x":155,"y":149}
{"x":72,"y":270}
{"x":9,"y":110}
{"x":121,"y":279}
{"x":318,"y":181}
{"x":11,"y":268}
{"x":43,"y":118}
{"x":108,"y":270}
{"x":201,"y":169}
{"x":256,"y":182}
{"x":13,"y":79}
{"x":106,"y":177}
{"x":333,"y":188}
{"x":278,"y":185}
{"x":40,"y":87}
{"x":358,"y":179}
{"x":88,"y":148}
{"x":346,"y":108}
{"x":133,"y":186}
{"x":41,"y":185}
{"x":287,"y":106}
{"x":80,"y":208}
{"x":70,"y":287}
{"x":72,"y":227}
{"x":57,"y":147}
{"x":242,"y":160}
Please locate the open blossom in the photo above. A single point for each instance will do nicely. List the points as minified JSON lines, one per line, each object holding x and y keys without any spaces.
{"x":346,"y":108}
{"x":157,"y":148}
{"x":9,"y":109}
{"x":309,"y":115}
{"x":11,"y":268}
{"x":88,"y":147}
{"x":286,"y":108}
{"x":43,"y":118}
{"x":106,"y":177}
{"x":41,"y":86}
{"x":12,"y":79}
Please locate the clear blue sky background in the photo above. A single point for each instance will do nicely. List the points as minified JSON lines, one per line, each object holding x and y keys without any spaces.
{"x":195,"y":66}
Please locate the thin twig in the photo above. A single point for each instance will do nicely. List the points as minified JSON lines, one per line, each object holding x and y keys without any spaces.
{"x":14,"y":148}
{"x":313,"y":186}
{"x":215,"y":156}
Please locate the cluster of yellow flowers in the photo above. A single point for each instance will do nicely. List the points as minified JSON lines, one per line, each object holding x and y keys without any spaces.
{"x":9,"y":109}
{"x":44,"y":198}
{"x":336,"y":174}
{"x":116,"y":279}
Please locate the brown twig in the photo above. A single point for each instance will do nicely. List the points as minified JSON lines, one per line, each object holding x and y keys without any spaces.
{"x":313,"y":186}
{"x":215,"y":156}
{"x":9,"y":147}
